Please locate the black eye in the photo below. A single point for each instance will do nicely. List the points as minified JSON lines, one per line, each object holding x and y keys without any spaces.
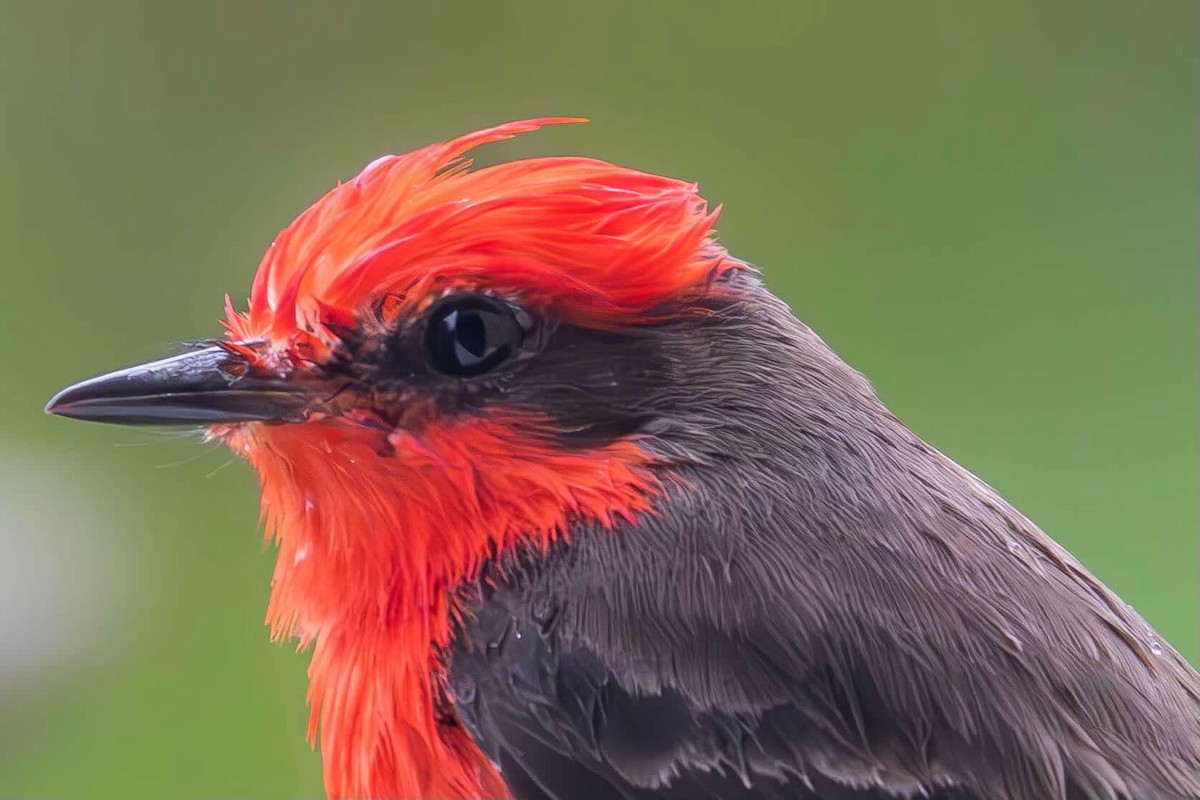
{"x":472,"y":335}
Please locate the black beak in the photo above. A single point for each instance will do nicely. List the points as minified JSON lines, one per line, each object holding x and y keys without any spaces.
{"x":202,"y":387}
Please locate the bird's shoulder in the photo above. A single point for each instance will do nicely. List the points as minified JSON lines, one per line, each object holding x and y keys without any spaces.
{"x":710,"y":645}
{"x":561,"y":720}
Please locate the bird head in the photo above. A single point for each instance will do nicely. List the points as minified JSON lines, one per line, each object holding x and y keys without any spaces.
{"x":438,"y":364}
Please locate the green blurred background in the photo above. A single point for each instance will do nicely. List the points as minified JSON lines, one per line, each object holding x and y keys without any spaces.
{"x":989,"y":208}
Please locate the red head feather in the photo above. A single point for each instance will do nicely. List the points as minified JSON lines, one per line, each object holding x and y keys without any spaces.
{"x":371,"y":544}
{"x":599,"y":241}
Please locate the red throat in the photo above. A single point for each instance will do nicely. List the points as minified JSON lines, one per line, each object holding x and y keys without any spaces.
{"x":370,"y":550}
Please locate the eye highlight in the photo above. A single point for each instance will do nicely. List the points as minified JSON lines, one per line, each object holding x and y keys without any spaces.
{"x":471,"y":335}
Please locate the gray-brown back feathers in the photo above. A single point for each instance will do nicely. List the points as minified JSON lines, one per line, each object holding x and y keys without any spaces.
{"x":822,"y":605}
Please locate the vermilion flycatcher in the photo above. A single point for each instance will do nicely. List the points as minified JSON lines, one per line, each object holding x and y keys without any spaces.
{"x":569,"y":505}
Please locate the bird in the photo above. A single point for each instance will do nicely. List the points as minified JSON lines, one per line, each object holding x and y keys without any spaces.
{"x":568,"y":504}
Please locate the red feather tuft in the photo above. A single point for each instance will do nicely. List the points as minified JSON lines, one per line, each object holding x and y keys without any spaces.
{"x":597,"y":241}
